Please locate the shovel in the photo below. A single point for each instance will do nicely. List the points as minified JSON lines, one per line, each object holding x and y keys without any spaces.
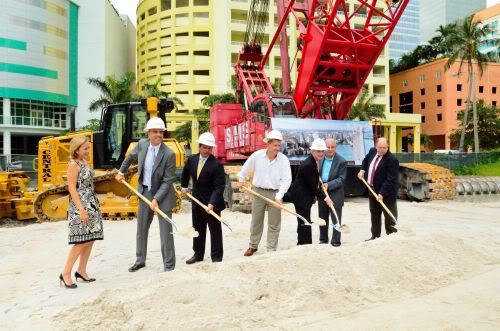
{"x":319,"y":222}
{"x":211,"y":212}
{"x":188,"y":232}
{"x":381,"y":202}
{"x":340,"y":228}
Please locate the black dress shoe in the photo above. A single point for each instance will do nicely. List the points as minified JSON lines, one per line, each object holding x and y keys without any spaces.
{"x":61,"y":280}
{"x":193,"y":259}
{"x":136,"y":267}
{"x":335,"y":244}
{"x":216,"y":260}
{"x":78,"y":275}
{"x":372,"y":238}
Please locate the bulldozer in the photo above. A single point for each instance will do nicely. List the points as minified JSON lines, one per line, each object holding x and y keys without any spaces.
{"x":122,"y":126}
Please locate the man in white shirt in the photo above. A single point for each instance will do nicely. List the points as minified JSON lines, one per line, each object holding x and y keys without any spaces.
{"x":272,"y":177}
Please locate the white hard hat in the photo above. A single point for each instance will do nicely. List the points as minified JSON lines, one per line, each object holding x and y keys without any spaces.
{"x":155,"y":123}
{"x":318,"y":145}
{"x":274,"y":134}
{"x":206,"y":139}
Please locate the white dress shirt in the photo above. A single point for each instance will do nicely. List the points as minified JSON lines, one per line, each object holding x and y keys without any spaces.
{"x":267,"y":174}
{"x":148,"y":165}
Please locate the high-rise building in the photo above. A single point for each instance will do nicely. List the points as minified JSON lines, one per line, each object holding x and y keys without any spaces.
{"x":406,"y":36}
{"x":192,"y":45}
{"x":490,"y":17}
{"x":438,"y":95}
{"x":435,"y":13}
{"x":48,"y":49}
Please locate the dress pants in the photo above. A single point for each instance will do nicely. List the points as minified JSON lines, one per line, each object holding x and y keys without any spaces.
{"x":326,"y":213}
{"x":144,"y":220}
{"x":304,"y":232}
{"x":376,"y":210}
{"x":200,"y":220}
{"x":259,"y":207}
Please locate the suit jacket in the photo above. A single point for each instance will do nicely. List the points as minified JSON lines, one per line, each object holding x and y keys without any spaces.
{"x":336,"y":179}
{"x":163,"y":175}
{"x":306,"y":187}
{"x":386,"y":180}
{"x":209,"y":187}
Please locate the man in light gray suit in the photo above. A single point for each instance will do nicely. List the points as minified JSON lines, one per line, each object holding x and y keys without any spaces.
{"x":333,"y":171}
{"x":156,"y":170}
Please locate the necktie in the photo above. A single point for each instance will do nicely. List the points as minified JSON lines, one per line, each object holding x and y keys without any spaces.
{"x":201,"y":162}
{"x":375,"y":164}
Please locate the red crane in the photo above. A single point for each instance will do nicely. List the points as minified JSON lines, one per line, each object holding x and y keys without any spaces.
{"x":338,"y":49}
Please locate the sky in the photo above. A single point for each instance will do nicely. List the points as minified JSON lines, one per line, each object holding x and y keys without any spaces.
{"x":128,"y":7}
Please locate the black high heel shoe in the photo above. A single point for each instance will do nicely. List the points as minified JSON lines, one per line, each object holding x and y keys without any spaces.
{"x":77,"y":275}
{"x":61,"y":279}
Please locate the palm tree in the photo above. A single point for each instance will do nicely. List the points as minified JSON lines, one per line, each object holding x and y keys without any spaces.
{"x":112,"y":90}
{"x":467,"y":38}
{"x":364,"y":109}
{"x":153,"y":90}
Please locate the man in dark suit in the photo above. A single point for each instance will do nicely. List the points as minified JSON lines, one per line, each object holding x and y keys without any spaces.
{"x":208,"y":179}
{"x":381,"y":170}
{"x":156,"y":170}
{"x":305,"y":188}
{"x":333,"y":172}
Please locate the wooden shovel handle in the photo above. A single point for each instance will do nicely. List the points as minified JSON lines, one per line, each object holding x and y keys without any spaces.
{"x":381,"y":202}
{"x":143,"y":198}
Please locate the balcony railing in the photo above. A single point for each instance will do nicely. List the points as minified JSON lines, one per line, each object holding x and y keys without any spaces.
{"x":379,"y":95}
{"x":378,"y":75}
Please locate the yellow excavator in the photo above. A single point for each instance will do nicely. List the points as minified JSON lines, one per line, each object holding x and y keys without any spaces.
{"x":122,"y":125}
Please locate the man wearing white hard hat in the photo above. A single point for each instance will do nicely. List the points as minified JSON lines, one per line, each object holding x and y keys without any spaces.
{"x":271,"y":178}
{"x":208,"y":181}
{"x":306,"y":187}
{"x":156,"y":171}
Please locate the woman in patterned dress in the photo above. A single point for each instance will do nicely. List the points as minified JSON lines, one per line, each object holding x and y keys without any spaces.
{"x":84,"y":216}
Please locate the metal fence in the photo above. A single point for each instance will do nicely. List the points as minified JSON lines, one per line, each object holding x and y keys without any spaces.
{"x":451,"y":161}
{"x":20,"y":162}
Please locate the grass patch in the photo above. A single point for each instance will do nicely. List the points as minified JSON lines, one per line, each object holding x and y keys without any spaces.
{"x":488,"y":169}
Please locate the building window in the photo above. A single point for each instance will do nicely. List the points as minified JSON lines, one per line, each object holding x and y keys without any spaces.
{"x":459,"y":87}
{"x":406,"y":103}
{"x":440,"y":117}
{"x":201,"y":2}
{"x":166,"y":5}
{"x":422,"y":91}
{"x":438,"y":88}
{"x":438,"y":75}
{"x":459,"y":102}
{"x":439,"y":102}
{"x":423,"y":119}
{"x":481,"y":89}
{"x":494,"y":103}
{"x":152,"y":11}
{"x":405,"y":82}
{"x":143,"y":16}
{"x":422,"y":105}
{"x":182,"y":3}
{"x":494,"y":90}
{"x":421,"y":78}
{"x":38,"y":113}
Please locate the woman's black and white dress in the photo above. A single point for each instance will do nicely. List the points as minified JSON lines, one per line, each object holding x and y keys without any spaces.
{"x":80,"y":232}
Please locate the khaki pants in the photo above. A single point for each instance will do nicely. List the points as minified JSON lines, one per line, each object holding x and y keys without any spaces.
{"x":259,"y":207}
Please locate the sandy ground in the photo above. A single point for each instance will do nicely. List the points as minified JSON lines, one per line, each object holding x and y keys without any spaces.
{"x":440,"y":272}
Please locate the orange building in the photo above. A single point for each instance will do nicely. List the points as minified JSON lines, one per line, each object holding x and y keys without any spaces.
{"x":438,"y":96}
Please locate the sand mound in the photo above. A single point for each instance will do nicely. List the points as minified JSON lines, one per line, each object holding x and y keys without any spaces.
{"x":287,"y":289}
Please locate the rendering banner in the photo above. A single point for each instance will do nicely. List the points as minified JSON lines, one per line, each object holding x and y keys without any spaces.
{"x":354,"y":138}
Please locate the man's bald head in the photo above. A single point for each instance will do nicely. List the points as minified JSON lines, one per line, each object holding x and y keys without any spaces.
{"x":382,"y":146}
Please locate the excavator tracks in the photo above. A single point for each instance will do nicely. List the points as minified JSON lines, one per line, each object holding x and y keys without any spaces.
{"x":425,"y":181}
{"x":237,"y":200}
{"x":51,"y":205}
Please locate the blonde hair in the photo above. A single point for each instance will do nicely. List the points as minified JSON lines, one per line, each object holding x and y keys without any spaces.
{"x":75,"y":144}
